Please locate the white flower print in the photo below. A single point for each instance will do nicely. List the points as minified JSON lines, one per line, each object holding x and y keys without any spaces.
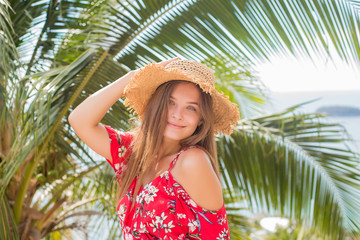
{"x":121,"y":212}
{"x":154,"y":224}
{"x":221,"y":220}
{"x":187,"y":198}
{"x":149,"y":198}
{"x":169,"y":191}
{"x":119,"y":166}
{"x":223,"y":235}
{"x":168,"y":226}
{"x":152,"y":190}
{"x":122,"y":151}
{"x":165,"y":174}
{"x":181,"y":237}
{"x":128,"y":236}
{"x":192,"y":225}
{"x":160,"y":219}
{"x":127,"y":233}
{"x":151,"y":193}
{"x":151,"y":214}
{"x":191,"y":202}
{"x":142,"y":228}
{"x":127,"y":229}
{"x":140,"y":196}
{"x":181,"y":215}
{"x":158,"y":223}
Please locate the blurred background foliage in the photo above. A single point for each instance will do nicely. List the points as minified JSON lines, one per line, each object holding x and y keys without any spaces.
{"x":56,"y":53}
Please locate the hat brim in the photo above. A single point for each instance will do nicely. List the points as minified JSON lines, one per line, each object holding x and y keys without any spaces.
{"x":144,"y":83}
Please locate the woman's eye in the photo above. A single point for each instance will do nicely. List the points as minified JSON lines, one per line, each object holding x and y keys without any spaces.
{"x":171,"y":102}
{"x":191,"y":108}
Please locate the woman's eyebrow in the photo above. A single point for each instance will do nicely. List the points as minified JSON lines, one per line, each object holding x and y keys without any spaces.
{"x":195,"y":103}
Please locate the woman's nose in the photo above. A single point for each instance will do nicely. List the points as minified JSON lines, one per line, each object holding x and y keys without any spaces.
{"x":176,"y":113}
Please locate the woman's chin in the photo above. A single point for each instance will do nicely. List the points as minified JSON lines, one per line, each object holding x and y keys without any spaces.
{"x":176,"y":134}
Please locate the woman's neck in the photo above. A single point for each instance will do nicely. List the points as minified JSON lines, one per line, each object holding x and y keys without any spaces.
{"x":169,"y":147}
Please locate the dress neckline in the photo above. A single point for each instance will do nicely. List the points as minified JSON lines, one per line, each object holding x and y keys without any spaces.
{"x":172,"y":164}
{"x":152,"y":181}
{"x":186,"y":195}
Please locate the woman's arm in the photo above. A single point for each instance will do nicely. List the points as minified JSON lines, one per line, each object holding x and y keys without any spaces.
{"x":194,"y":172}
{"x":85,"y":118}
{"x":206,"y":218}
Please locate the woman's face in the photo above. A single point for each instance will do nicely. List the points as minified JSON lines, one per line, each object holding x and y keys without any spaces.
{"x":183,"y":112}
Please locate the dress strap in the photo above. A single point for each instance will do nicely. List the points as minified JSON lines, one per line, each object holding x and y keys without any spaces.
{"x":172,"y":164}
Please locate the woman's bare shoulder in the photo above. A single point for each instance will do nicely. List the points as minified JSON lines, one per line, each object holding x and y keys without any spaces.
{"x":195,"y":173}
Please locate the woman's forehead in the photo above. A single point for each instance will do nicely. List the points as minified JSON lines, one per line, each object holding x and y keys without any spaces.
{"x":186,"y":91}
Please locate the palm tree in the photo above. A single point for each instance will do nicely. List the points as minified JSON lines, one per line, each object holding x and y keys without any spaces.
{"x":285,"y":163}
{"x":47,"y":177}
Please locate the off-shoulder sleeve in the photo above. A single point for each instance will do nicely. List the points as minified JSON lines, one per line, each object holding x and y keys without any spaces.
{"x":201,"y":223}
{"x":120,"y":148}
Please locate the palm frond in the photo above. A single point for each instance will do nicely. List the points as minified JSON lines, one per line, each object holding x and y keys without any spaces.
{"x":8,"y":228}
{"x":237,"y":215}
{"x":34,"y":129}
{"x":121,"y":28}
{"x":240,"y":85}
{"x":8,"y":52}
{"x":40,"y":28}
{"x":285,"y":164}
{"x":252,"y":30}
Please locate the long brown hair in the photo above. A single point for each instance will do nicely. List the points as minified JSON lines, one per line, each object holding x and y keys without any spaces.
{"x":149,"y":135}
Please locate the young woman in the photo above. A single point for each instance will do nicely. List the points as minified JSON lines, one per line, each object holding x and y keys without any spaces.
{"x":167,"y":171}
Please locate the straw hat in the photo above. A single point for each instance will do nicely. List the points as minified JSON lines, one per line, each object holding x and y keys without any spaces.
{"x":144,"y":83}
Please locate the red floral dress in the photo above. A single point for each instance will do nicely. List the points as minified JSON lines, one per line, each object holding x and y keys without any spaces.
{"x":163,"y":209}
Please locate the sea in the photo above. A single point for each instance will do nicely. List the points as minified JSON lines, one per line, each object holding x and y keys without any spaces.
{"x":281,"y":100}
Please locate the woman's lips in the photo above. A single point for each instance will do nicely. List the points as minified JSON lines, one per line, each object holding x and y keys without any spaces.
{"x":174,"y":125}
